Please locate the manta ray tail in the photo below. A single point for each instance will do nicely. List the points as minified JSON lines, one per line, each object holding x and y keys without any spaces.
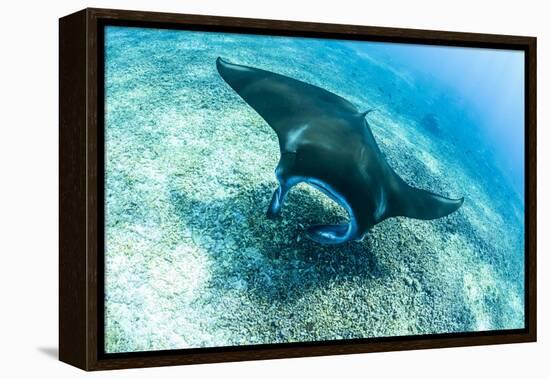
{"x":365,"y":113}
{"x":425,"y":205}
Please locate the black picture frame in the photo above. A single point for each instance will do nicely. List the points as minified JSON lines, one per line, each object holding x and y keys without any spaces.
{"x":81,"y":182}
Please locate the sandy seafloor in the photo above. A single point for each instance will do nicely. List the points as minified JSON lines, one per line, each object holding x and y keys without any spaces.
{"x":192,"y":261}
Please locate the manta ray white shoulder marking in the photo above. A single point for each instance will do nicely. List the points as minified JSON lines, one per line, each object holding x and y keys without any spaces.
{"x":294,"y":136}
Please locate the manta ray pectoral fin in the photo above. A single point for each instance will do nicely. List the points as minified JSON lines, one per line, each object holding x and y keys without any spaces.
{"x":283,"y":102}
{"x":425,"y":205}
{"x":329,"y":234}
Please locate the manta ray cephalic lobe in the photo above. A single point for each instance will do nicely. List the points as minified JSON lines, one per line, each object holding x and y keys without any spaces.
{"x":327,"y":143}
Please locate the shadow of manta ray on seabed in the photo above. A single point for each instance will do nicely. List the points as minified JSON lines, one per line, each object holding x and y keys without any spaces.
{"x":327,"y":143}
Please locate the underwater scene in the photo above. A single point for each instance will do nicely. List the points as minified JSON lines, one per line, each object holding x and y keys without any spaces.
{"x":266,"y":189}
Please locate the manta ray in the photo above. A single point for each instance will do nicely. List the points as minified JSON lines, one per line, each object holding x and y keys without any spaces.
{"x":326,"y":142}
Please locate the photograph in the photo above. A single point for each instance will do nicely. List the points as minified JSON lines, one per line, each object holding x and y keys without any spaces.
{"x":265,"y":189}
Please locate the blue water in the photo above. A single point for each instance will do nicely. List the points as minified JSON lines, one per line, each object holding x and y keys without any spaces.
{"x":192,"y":261}
{"x":487,"y":85}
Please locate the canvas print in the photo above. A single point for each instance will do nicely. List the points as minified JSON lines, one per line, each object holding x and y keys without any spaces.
{"x":273,"y":189}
